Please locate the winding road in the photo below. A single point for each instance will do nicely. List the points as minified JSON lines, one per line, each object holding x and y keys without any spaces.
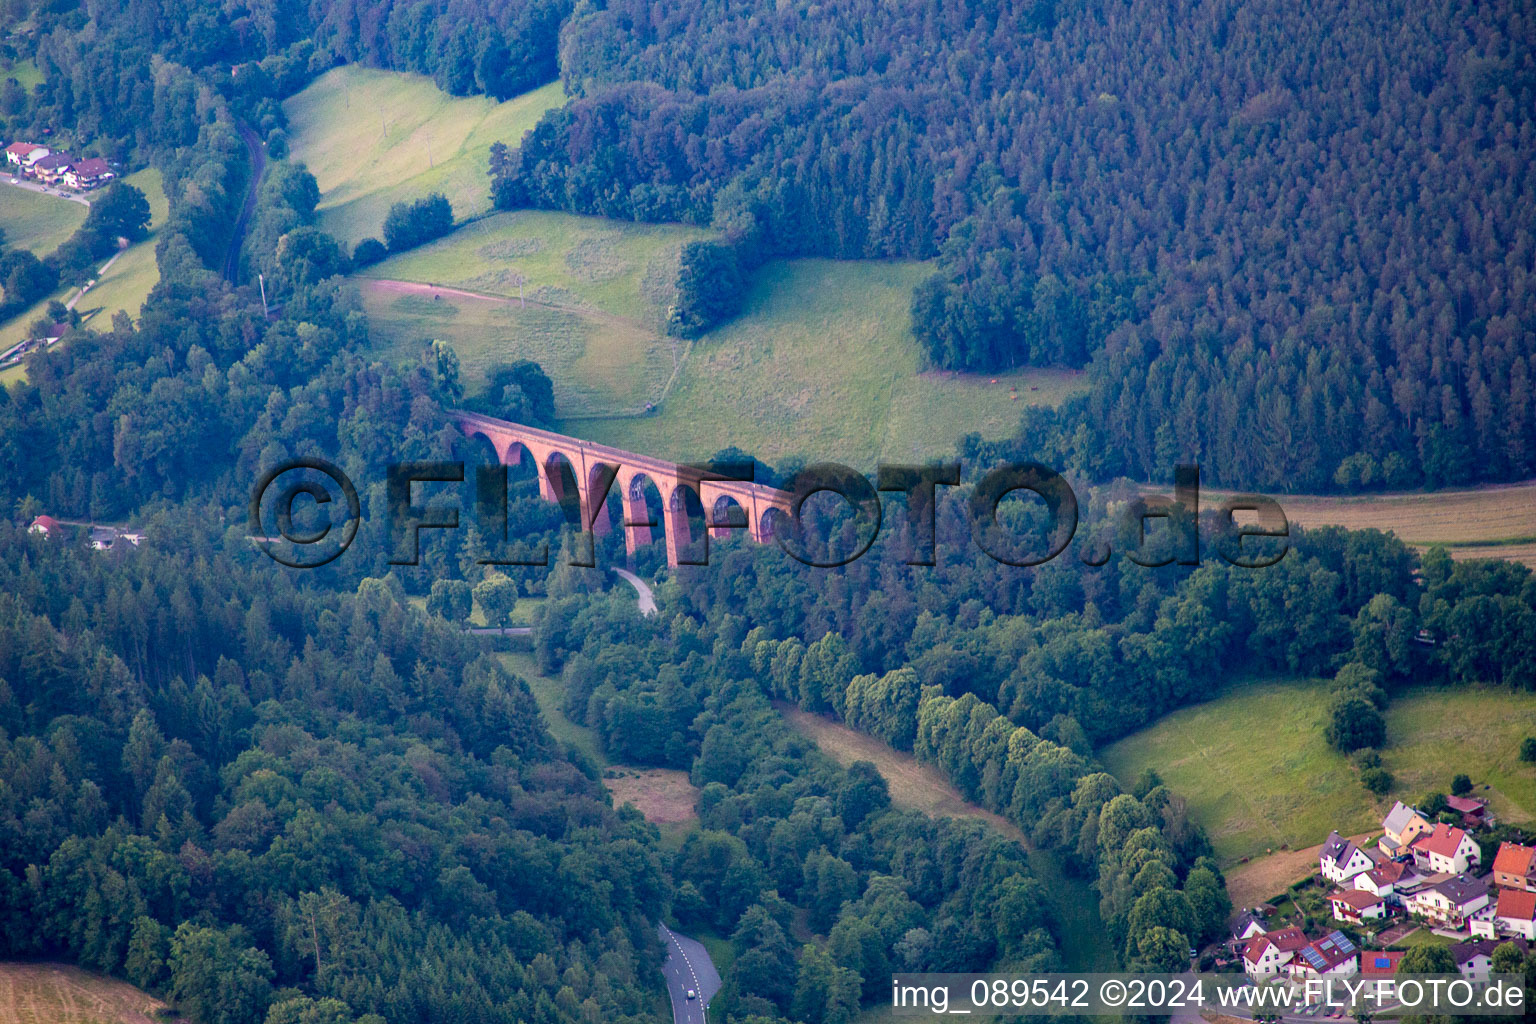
{"x":642,"y":588}
{"x":688,"y":967}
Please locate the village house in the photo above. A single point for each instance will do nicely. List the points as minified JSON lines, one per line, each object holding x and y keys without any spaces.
{"x":23,"y":154}
{"x":1514,"y":867}
{"x":1473,"y":959}
{"x":1474,"y":813}
{"x":1446,"y":849}
{"x":51,"y":169}
{"x":1385,"y":880}
{"x":87,"y":174}
{"x":1450,"y":902}
{"x":1332,"y":956}
{"x":1513,"y":914}
{"x":1342,"y":860}
{"x":1402,"y":826}
{"x":1357,"y":905}
{"x":1246,"y":925}
{"x":1379,"y":963}
{"x":45,"y":525}
{"x":1267,"y":955}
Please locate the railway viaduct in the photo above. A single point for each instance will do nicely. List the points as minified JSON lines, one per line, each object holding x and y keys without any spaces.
{"x":598,"y":469}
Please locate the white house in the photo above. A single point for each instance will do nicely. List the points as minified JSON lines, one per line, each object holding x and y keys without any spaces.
{"x":1473,"y":959}
{"x":1247,"y":925}
{"x":24,"y":154}
{"x":1449,"y":902}
{"x":1342,"y":860}
{"x":1332,"y":956}
{"x":1356,"y":905}
{"x":1384,"y":879}
{"x":1514,"y":914}
{"x":1266,"y":956}
{"x":1446,"y":849}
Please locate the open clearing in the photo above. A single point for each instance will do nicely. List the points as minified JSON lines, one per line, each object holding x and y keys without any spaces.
{"x":45,"y":993}
{"x":1258,"y":774}
{"x":35,"y":221}
{"x":125,"y":285}
{"x":822,"y":364}
{"x":372,"y":138}
{"x":663,"y":795}
{"x":919,"y":787}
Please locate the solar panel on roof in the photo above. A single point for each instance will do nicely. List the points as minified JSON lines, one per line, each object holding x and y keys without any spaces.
{"x":1314,"y":958}
{"x":1383,"y":961}
{"x":1342,"y":941}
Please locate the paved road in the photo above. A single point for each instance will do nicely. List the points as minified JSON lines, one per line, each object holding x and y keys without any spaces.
{"x":688,"y":966}
{"x":32,"y":186}
{"x":647,"y":598}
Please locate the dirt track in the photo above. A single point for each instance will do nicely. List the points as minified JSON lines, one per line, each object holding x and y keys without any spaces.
{"x":392,"y":286}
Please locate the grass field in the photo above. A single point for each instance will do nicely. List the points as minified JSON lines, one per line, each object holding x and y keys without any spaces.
{"x":592,"y":310}
{"x":372,"y":138}
{"x":129,"y":281}
{"x":1485,"y":522}
{"x":26,"y":74}
{"x":1258,"y":774}
{"x":920,"y":787}
{"x":32,"y":220}
{"x":32,"y":993}
{"x":822,"y":363}
{"x":125,"y":285}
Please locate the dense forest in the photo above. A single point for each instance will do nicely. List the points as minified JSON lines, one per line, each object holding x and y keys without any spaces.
{"x":1256,"y":227}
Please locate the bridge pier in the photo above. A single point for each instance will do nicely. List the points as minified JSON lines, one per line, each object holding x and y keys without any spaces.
{"x":587,"y":460}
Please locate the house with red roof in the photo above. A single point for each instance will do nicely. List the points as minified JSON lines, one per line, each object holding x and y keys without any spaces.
{"x":1379,"y":963}
{"x":1357,"y":905}
{"x":1474,"y":813}
{"x":1514,"y":867}
{"x":1385,"y":879}
{"x":1446,"y":849}
{"x":1332,"y":956}
{"x":1266,"y":956}
{"x":45,"y":525}
{"x":1514,"y":914}
{"x":20,"y":154}
{"x":87,"y":174}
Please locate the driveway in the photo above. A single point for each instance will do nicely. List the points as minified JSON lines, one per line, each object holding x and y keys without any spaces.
{"x":688,"y":966}
{"x":32,"y":186}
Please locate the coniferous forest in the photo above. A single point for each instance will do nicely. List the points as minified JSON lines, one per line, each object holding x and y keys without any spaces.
{"x":1293,"y":244}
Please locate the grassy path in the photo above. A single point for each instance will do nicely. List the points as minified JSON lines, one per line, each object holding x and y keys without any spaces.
{"x":1072,"y":901}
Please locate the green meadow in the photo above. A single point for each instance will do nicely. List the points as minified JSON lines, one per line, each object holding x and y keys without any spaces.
{"x":1258,"y":774}
{"x":124,"y":287}
{"x":822,"y":364}
{"x":372,"y":138}
{"x":35,"y":221}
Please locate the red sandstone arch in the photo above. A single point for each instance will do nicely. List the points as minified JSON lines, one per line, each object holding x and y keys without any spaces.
{"x":630,"y":470}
